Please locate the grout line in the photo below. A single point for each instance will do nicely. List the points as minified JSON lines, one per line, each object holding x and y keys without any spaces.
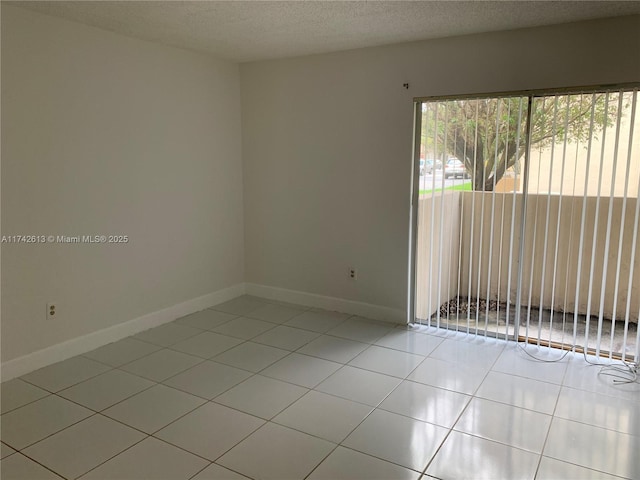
{"x":69,"y":386}
{"x":164,"y":325}
{"x":546,"y":437}
{"x":201,"y":470}
{"x":114,"y":456}
{"x":42,"y":465}
{"x":93,"y":412}
{"x":121,"y":367}
{"x":130,"y":361}
{"x":586,"y":468}
{"x":382,"y":459}
{"x":53,"y":433}
{"x":32,"y":401}
{"x":217,"y":465}
{"x":239,"y":442}
{"x":476,"y":435}
{"x":321,"y":462}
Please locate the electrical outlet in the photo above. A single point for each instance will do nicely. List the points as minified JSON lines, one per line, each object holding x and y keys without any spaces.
{"x":353,"y":273}
{"x":52,"y":309}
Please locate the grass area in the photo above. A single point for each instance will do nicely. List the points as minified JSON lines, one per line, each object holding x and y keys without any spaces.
{"x":464,"y":187}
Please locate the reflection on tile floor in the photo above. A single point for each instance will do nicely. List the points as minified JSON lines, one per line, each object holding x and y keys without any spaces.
{"x":259,"y":389}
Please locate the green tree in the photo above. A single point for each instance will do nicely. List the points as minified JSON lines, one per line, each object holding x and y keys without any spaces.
{"x":489,"y":135}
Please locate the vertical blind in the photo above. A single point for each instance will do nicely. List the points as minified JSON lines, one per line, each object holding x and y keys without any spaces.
{"x":527,"y":219}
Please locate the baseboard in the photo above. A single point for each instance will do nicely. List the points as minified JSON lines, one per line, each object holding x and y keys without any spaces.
{"x":79,"y":345}
{"x":375,"y":312}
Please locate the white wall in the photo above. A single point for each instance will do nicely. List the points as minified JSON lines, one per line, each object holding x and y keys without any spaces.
{"x":104,"y":134}
{"x":327,"y":143}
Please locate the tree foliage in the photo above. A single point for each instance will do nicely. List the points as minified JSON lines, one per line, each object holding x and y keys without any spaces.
{"x":489,"y":135}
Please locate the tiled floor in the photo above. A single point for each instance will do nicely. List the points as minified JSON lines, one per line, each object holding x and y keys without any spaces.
{"x":257,"y":389}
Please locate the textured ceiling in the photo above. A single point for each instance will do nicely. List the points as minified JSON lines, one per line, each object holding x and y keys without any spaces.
{"x":257,"y":30}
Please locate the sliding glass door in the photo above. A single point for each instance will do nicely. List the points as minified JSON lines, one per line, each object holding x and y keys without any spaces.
{"x":525,"y":218}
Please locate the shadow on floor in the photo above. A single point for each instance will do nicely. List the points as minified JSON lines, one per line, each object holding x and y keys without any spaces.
{"x":537,"y":324}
